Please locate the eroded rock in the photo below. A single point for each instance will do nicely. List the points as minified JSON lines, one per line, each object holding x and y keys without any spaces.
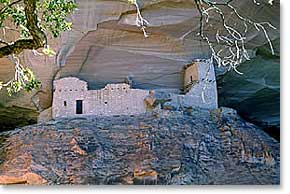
{"x":215,"y":147}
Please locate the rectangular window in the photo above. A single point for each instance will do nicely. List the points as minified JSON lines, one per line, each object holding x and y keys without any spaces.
{"x":64,"y":103}
{"x":79,"y":107}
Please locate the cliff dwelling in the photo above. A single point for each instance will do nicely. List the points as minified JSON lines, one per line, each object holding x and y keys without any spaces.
{"x":73,"y":98}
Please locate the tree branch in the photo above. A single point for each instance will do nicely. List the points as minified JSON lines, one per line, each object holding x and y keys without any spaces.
{"x":38,"y":36}
{"x":230,"y":37}
{"x":10,"y":5}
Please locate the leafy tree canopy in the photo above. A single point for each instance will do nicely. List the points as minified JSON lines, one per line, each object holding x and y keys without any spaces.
{"x":32,"y":22}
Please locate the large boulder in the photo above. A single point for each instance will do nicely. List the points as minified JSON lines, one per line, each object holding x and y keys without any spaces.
{"x":164,"y":147}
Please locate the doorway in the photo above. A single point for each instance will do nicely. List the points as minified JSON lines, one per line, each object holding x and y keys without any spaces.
{"x":79,"y":107}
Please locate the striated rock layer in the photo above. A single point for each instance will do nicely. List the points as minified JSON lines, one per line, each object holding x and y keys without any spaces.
{"x":191,"y":147}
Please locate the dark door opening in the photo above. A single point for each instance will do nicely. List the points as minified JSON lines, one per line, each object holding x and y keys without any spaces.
{"x":79,"y":107}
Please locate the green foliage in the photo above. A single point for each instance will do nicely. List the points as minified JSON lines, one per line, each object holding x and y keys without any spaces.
{"x":52,"y":16}
{"x":48,"y":51}
{"x":28,"y":82}
{"x":14,"y":13}
{"x":131,"y":1}
{"x":55,"y":15}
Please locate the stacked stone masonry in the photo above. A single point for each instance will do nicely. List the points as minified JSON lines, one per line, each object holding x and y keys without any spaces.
{"x":72,"y":98}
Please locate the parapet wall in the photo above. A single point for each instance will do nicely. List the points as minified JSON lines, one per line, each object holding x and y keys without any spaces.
{"x":114,"y":99}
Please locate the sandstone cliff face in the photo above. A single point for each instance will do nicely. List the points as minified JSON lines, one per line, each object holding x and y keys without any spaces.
{"x":111,"y":48}
{"x":106,"y":46}
{"x":256,"y":94}
{"x":164,"y":147}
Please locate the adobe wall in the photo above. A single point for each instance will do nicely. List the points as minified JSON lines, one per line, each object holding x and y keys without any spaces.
{"x":114,"y":99}
{"x":67,"y":90}
{"x":204,"y":93}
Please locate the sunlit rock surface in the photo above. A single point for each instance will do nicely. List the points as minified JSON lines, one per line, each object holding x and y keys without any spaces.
{"x":163,"y":147}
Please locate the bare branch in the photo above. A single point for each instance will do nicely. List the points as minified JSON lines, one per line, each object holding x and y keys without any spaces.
{"x":140,"y":21}
{"x":233,"y":51}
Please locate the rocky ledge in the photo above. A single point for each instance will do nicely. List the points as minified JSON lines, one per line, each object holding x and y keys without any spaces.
{"x":163,"y":147}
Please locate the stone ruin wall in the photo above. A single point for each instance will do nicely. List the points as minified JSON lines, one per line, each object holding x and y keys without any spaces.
{"x":203,"y":94}
{"x":199,"y":86}
{"x":119,"y":99}
{"x":114,"y":99}
{"x":67,"y":90}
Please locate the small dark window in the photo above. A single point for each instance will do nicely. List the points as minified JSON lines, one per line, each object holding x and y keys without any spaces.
{"x":59,"y":90}
{"x":191,"y":78}
{"x":64,"y":103}
{"x":79,"y":107}
{"x":70,"y":90}
{"x":106,"y":102}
